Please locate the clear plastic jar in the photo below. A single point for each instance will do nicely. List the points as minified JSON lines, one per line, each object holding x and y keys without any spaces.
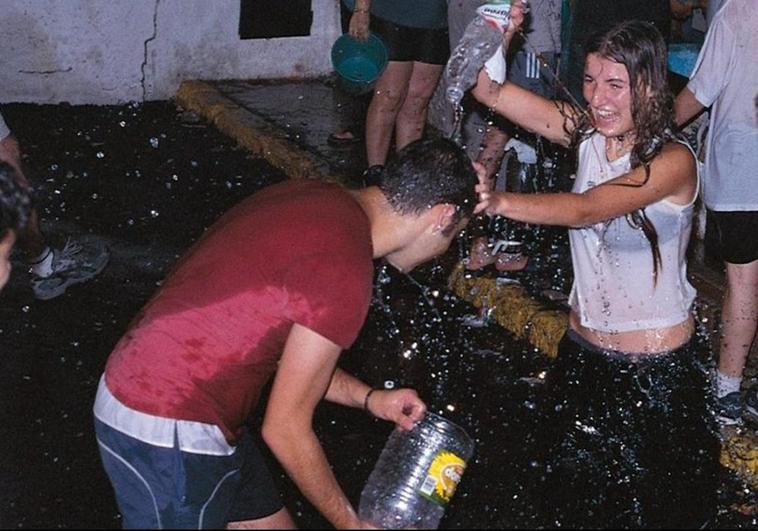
{"x":416,"y":475}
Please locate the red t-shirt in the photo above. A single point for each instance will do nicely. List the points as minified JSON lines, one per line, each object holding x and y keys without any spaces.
{"x":205,"y":345}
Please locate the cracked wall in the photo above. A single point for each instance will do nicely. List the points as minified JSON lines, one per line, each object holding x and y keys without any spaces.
{"x":80,"y":51}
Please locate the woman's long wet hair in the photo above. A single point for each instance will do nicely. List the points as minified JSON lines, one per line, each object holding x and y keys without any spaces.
{"x":640,"y":47}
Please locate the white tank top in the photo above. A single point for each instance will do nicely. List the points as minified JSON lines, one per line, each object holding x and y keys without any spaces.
{"x":614,"y":287}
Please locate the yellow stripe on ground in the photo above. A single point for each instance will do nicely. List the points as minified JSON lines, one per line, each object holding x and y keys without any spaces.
{"x":739,"y":451}
{"x":250,"y":131}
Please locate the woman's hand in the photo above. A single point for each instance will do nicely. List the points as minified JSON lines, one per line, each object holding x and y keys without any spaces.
{"x":359,"y":22}
{"x":490,"y":203}
{"x":518,"y":10}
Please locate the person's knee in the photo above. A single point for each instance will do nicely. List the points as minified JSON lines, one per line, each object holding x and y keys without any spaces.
{"x":388,"y":101}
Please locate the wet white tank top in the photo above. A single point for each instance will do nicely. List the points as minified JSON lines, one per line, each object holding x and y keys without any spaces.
{"x":614,"y":287}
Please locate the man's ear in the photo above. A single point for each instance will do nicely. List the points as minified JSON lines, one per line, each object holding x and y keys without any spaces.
{"x":443,"y":217}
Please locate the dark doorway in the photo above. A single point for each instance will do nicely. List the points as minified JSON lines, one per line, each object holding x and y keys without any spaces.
{"x":268,"y":19}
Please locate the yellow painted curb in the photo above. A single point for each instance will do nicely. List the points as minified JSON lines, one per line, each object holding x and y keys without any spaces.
{"x":739,"y":451}
{"x":250,"y":131}
{"x":514,"y":309}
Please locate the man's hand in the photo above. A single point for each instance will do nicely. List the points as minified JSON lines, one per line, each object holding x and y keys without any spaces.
{"x":401,"y":406}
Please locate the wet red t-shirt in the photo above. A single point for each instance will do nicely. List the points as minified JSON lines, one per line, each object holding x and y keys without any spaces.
{"x":209,"y":340}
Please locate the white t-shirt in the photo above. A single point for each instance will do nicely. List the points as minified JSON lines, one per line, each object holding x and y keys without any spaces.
{"x":4,"y":131}
{"x":726,"y":78}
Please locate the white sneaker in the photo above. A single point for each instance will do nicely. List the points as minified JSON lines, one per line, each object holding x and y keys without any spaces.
{"x":77,"y":262}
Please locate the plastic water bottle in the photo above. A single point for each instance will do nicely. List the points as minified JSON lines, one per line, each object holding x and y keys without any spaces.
{"x":480,"y":41}
{"x":416,"y":475}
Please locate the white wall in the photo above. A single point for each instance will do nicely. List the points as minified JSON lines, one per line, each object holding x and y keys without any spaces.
{"x":114,"y":51}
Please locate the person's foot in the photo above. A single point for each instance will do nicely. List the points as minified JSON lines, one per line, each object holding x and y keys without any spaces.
{"x":480,"y":255}
{"x":729,"y":409}
{"x":342,"y":138}
{"x":77,"y":262}
{"x":509,"y":256}
{"x":511,"y":262}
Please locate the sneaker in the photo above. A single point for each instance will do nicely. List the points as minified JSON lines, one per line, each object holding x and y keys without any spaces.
{"x":479,"y":320}
{"x":751,"y":401}
{"x":77,"y":262}
{"x":729,"y":408}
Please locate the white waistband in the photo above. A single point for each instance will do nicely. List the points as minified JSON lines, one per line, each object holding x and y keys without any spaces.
{"x":193,"y":437}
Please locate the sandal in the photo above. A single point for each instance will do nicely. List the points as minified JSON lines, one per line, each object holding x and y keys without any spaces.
{"x":509,"y":256}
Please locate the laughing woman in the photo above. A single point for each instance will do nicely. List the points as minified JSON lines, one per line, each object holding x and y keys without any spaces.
{"x":636,"y":443}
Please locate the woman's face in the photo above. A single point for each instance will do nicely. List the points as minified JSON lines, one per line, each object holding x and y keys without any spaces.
{"x":609,"y":95}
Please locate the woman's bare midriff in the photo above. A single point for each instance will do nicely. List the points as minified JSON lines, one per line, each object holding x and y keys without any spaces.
{"x":648,"y":341}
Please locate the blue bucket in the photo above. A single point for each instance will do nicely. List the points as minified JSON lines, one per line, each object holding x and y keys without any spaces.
{"x":359,"y":64}
{"x":682,"y":58}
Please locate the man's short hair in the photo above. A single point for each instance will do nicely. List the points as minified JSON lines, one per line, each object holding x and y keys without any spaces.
{"x":15,"y":201}
{"x":429,"y":172}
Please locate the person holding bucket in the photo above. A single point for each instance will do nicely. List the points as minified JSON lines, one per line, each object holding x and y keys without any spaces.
{"x":416,"y":37}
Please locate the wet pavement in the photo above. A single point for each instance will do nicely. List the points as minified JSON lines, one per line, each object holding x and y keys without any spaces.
{"x":148,"y":179}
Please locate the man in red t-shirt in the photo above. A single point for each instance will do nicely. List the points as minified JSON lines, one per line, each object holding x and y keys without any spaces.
{"x":278,"y":286}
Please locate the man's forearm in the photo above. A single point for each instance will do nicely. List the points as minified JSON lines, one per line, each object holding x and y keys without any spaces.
{"x":301,"y":455}
{"x":346,"y":389}
{"x":686,"y":107}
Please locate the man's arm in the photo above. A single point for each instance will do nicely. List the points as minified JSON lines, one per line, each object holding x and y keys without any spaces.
{"x":401,"y":406}
{"x":302,"y":379}
{"x":686,"y":107}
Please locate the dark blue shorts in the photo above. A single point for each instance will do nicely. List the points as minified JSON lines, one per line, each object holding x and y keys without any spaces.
{"x":732,"y":235}
{"x":406,"y":44}
{"x":159,"y":488}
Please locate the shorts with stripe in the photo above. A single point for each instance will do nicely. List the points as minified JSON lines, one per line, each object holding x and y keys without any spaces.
{"x":167,"y":488}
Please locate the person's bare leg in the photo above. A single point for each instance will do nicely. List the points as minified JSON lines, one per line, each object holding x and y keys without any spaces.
{"x":739,"y":317}
{"x":389,"y":94}
{"x":411,"y":119}
{"x":30,"y":240}
{"x":279,"y":520}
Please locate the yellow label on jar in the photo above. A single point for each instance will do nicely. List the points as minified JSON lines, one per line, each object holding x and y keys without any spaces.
{"x":442,"y":477}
